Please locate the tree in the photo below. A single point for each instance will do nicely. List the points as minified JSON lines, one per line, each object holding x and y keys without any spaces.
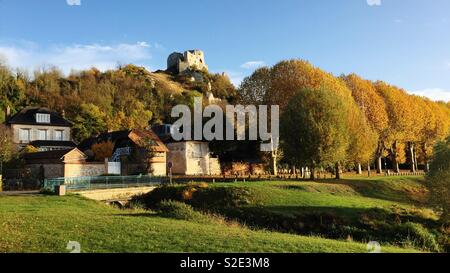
{"x":373,"y":107}
{"x":254,"y":89}
{"x":103,"y":150}
{"x":221,"y":86}
{"x":89,"y":121}
{"x":404,"y":126}
{"x":314,"y":130}
{"x":438,"y":179}
{"x":147,"y":152}
{"x":7,"y":147}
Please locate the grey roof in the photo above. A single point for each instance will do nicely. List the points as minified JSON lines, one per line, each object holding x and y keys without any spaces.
{"x":28,"y":116}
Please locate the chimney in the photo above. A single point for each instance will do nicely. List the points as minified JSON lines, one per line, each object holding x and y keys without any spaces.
{"x":63,"y":114}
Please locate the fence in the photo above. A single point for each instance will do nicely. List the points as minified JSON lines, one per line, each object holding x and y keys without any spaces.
{"x":104,"y":182}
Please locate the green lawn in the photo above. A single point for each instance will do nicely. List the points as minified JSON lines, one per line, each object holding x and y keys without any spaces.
{"x":346,"y":197}
{"x":47,"y":223}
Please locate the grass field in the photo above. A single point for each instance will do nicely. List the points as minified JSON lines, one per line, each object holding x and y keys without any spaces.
{"x":345,"y":196}
{"x":47,"y":223}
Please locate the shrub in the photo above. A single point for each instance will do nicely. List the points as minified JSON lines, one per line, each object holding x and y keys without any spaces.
{"x":419,"y":236}
{"x":438,"y":179}
{"x":201,"y":196}
{"x":222,"y":197}
{"x":182,"y":211}
{"x":155,"y":197}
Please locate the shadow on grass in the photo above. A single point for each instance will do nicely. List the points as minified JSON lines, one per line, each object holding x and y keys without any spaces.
{"x":412,"y":191}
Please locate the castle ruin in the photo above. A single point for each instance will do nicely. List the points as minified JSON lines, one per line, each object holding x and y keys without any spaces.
{"x":189,"y":60}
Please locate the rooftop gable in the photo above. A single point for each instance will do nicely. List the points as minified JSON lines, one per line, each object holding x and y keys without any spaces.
{"x":38,"y":116}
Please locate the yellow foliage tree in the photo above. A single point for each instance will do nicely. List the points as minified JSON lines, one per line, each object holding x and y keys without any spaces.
{"x":103,"y":150}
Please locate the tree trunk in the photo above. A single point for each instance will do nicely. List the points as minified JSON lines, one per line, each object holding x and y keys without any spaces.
{"x":415,"y":161}
{"x":359,"y":168}
{"x":393,"y":151}
{"x":368,"y":169}
{"x":313,"y":172}
{"x":338,"y":171}
{"x":274,"y":163}
{"x":411,"y":153}
{"x":379,"y":165}
{"x":427,"y":166}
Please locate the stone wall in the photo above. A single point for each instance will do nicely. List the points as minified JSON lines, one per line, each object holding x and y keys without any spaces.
{"x":192,"y":158}
{"x":177,"y":155}
{"x":84,"y":169}
{"x":50,"y":170}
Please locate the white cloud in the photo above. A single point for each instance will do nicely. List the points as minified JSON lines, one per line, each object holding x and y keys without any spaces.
{"x":73,"y":2}
{"x":434,"y":94}
{"x":253,"y":64}
{"x":76,"y":56}
{"x":374,"y":2}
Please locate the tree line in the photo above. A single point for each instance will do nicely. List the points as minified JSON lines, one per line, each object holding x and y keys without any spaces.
{"x":326,"y":121}
{"x":346,"y":121}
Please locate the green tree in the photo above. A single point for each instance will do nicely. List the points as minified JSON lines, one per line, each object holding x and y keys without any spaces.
{"x":314,"y":130}
{"x":90,"y":121}
{"x":7,"y":147}
{"x":438,"y":179}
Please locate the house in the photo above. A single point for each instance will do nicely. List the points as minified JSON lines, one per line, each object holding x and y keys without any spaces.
{"x":131,"y":150}
{"x":188,"y":157}
{"x":63,"y":163}
{"x":41,"y":128}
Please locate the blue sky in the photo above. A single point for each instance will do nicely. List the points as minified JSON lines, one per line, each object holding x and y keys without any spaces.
{"x":404,"y":42}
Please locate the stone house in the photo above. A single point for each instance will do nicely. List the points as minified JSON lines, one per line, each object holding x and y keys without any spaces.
{"x":130,"y":149}
{"x":63,"y":163}
{"x":40,"y":127}
{"x":188,"y":157}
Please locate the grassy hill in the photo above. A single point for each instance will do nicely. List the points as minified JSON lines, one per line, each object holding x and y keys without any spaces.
{"x":47,"y":223}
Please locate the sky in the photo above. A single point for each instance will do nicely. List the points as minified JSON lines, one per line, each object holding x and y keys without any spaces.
{"x":403,"y":42}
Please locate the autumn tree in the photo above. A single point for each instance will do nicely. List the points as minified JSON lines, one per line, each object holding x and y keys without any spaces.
{"x":103,"y":150}
{"x":313,"y":129}
{"x":373,"y":107}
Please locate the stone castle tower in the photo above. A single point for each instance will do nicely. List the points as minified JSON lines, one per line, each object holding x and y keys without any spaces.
{"x":189,"y":60}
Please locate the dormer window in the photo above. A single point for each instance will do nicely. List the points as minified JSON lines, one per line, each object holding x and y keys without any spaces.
{"x":43,"y":118}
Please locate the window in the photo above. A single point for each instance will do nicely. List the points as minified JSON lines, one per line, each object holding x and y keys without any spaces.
{"x":24,"y":135}
{"x":42,"y":134}
{"x":59,"y":135}
{"x":43,"y":118}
